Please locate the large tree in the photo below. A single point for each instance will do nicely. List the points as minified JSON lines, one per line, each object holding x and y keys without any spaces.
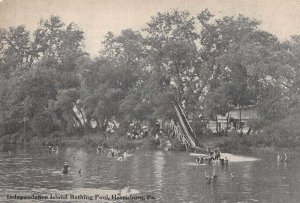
{"x":15,"y":51}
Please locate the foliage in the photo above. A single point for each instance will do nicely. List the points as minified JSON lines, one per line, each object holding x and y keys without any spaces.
{"x":209,"y":65}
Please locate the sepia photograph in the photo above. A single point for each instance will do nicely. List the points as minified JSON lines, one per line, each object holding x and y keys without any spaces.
{"x":154,"y":101}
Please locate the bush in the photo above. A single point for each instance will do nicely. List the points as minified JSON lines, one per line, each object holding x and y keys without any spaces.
{"x":177,"y":145}
{"x":199,"y":126}
{"x":284,"y":133}
{"x":10,"y":128}
{"x":150,"y":143}
{"x":93,"y":140}
{"x":42,"y":125}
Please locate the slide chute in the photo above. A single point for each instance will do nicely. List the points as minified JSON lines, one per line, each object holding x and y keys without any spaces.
{"x":184,"y":131}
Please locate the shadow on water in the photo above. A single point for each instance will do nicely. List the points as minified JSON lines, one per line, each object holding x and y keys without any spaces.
{"x":167,"y":176}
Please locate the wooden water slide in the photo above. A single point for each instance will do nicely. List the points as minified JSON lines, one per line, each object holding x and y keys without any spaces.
{"x":188,"y":135}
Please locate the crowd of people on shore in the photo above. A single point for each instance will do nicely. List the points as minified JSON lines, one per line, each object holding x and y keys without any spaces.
{"x":52,"y":149}
{"x":212,"y":156}
{"x":137,"y":131}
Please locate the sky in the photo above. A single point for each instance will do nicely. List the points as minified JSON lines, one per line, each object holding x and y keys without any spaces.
{"x":97,"y":17}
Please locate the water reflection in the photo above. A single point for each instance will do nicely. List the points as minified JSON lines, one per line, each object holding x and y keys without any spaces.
{"x":158,"y":164}
{"x":182,"y":179}
{"x":166,"y":175}
{"x":79,"y":160}
{"x":136,"y":168}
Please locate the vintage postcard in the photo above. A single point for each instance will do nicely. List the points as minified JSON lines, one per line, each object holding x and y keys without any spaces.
{"x":150,"y":101}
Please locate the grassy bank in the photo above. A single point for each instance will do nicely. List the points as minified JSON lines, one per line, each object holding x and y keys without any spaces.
{"x":258,"y":142}
{"x":270,"y":140}
{"x":88,"y":140}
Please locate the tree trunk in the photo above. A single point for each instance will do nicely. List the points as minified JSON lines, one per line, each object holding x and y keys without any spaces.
{"x":83,"y":117}
{"x":240,"y":125}
{"x":77,"y":119}
{"x":227,"y":120}
{"x":179,"y":85}
{"x":104,"y":125}
{"x":217,"y":124}
{"x":249,"y":131}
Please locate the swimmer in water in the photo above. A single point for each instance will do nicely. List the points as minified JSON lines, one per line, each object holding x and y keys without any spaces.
{"x":198,"y":160}
{"x":100,"y":149}
{"x":65,"y":170}
{"x":217,"y":153}
{"x":121,"y":158}
{"x":201,"y":160}
{"x":55,"y":149}
{"x":113,"y":153}
{"x":226,"y":161}
{"x":222,"y":161}
{"x":210,"y":160}
{"x":212,"y":154}
{"x":210,"y":178}
{"x":125,"y":154}
{"x":206,"y":176}
{"x":278,"y":157}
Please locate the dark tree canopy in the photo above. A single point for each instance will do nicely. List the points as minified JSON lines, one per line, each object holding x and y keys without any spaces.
{"x":209,"y":65}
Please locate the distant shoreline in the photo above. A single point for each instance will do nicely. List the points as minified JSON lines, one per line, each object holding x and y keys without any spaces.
{"x":226,"y":144}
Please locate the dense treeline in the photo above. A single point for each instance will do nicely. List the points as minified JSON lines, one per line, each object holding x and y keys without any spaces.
{"x":50,"y":86}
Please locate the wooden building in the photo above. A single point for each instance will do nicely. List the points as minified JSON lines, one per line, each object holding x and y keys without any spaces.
{"x":236,"y":119}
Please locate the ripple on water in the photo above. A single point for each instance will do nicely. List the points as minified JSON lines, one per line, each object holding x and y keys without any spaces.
{"x":163,"y":175}
{"x":253,"y":200}
{"x":193,"y":164}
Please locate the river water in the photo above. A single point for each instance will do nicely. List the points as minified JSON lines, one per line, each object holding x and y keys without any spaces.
{"x":155,"y":176}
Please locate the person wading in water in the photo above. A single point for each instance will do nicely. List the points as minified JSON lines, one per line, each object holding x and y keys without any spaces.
{"x":65,"y":170}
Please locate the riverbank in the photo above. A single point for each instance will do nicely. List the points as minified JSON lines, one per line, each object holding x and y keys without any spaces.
{"x":233,"y":143}
{"x":88,"y":140}
{"x":254,"y":143}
